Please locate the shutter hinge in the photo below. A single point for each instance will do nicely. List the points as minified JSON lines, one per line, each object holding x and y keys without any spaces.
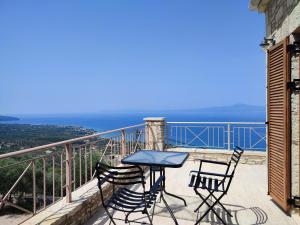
{"x":267,"y":122}
{"x":294,"y":48}
{"x":294,"y":201}
{"x":294,"y":85}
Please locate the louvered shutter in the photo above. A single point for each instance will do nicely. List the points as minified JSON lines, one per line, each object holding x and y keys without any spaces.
{"x":279,"y":124}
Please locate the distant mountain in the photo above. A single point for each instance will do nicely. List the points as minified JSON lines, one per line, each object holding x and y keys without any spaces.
{"x":8,"y":118}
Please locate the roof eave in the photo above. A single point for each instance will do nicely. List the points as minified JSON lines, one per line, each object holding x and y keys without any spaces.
{"x":259,"y":5}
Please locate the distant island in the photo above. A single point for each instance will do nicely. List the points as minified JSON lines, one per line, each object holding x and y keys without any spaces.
{"x":8,"y":118}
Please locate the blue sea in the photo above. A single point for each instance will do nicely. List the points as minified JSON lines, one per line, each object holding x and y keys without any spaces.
{"x":108,"y":121}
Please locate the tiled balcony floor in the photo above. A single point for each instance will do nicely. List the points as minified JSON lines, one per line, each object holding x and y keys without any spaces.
{"x":247,"y":199}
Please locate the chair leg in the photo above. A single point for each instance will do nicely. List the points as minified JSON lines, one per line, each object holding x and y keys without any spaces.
{"x":110,"y":217}
{"x":203,"y":200}
{"x":211,"y":208}
{"x":126,"y":217}
{"x":149,"y":218}
{"x":153,"y":209}
{"x":223,"y":207}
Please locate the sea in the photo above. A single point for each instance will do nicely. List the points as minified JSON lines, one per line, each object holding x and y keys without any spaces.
{"x":107,"y":121}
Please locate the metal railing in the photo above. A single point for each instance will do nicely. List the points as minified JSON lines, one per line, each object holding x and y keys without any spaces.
{"x":217,"y":135}
{"x":34,"y":178}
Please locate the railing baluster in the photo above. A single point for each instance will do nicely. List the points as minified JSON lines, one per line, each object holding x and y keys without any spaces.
{"x":85,"y":165}
{"x":80,"y":167}
{"x":185,"y":140}
{"x":218,"y":134}
{"x":33,"y":187}
{"x":224,"y":134}
{"x":91,"y":162}
{"x":180,"y":134}
{"x":239,"y":136}
{"x":68,"y":149}
{"x":250,"y":141}
{"x":208,"y":136}
{"x":176,"y":135}
{"x":61,"y":176}
{"x":74,"y":168}
{"x":53,"y":178}
{"x":228,"y":130}
{"x":44,"y":181}
{"x":244,"y":137}
{"x":123,"y":148}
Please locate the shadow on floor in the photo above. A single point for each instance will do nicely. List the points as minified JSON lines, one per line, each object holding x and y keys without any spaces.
{"x":241,"y":216}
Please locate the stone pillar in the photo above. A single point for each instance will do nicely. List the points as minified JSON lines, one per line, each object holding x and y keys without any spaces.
{"x":155,"y":133}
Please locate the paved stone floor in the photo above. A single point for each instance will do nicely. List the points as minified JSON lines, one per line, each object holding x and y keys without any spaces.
{"x":247,"y":200}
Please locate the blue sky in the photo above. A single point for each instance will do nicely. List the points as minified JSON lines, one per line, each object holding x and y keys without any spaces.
{"x":92,"y":56}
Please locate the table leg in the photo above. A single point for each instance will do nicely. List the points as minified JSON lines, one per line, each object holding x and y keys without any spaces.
{"x":174,"y":196}
{"x":164,"y":200}
{"x":163,"y":190}
{"x":169,"y":209}
{"x":151,"y":182}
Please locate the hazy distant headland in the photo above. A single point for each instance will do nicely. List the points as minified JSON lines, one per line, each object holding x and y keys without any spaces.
{"x":8,"y":118}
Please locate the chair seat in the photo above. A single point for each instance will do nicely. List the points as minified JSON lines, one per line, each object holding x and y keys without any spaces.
{"x":127,"y":200}
{"x":208,"y":183}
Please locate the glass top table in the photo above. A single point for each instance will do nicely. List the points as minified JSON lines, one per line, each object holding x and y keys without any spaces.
{"x":161,"y":160}
{"x":157,"y":158}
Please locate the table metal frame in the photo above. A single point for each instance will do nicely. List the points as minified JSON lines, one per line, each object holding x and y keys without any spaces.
{"x":153,"y":168}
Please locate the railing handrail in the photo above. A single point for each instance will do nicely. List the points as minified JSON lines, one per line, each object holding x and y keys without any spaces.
{"x":253,"y":123}
{"x":69,"y":141}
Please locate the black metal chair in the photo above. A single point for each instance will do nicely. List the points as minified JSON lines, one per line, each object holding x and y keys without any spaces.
{"x":215,"y":183}
{"x":123,"y":198}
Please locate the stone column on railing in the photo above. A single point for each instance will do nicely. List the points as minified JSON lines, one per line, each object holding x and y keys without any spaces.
{"x":155,"y":133}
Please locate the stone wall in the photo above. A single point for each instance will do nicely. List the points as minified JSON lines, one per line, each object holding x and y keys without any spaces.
{"x":86,"y":210}
{"x":282,"y":18}
{"x":295,"y":128}
{"x":86,"y":201}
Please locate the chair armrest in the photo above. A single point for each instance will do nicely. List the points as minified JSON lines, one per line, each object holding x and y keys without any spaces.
{"x":215,"y":174}
{"x":193,"y":171}
{"x":208,"y":173}
{"x":213,"y":162}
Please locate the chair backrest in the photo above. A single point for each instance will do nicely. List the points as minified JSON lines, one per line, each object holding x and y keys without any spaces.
{"x":121,"y":176}
{"x":234,"y":161}
{"x":235,"y":158}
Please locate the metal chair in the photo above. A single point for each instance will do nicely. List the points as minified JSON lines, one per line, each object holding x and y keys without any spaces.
{"x":123,"y":198}
{"x":215,"y":183}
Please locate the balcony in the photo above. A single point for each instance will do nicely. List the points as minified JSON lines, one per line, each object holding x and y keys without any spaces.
{"x":56,"y":182}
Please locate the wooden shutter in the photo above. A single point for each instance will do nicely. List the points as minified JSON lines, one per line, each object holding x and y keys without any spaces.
{"x":279,"y":124}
